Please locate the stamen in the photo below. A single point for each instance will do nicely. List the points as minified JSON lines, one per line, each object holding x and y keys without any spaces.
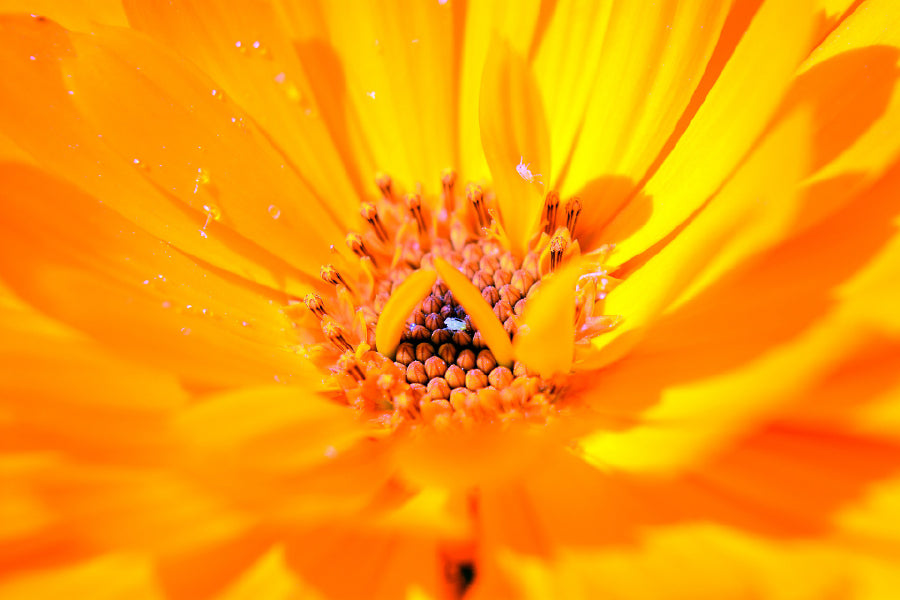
{"x":383,"y":181}
{"x":551,"y":210}
{"x":558,"y":245}
{"x":349,"y":363}
{"x":573,"y":209}
{"x":330,"y":275}
{"x":358,"y":247}
{"x":475,"y":196}
{"x":369,"y":212}
{"x":414,"y":204}
{"x":448,"y":180}
{"x":336,"y":334}
{"x":315,"y":305}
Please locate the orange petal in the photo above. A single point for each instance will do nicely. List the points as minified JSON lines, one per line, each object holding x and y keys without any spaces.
{"x":80,"y":262}
{"x":478,"y":309}
{"x":37,"y":91}
{"x":110,"y":576}
{"x":516,"y":142}
{"x":399,"y":307}
{"x":545,"y":341}
{"x":518,"y":21}
{"x":252,"y":56}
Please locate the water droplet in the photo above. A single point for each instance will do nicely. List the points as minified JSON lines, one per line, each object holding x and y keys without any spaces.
{"x":371,"y":94}
{"x":203,"y":234}
{"x":185,"y":331}
{"x":274,"y":211}
{"x":330,"y":452}
{"x":201,"y":179}
{"x":280,"y":77}
{"x":218,"y":94}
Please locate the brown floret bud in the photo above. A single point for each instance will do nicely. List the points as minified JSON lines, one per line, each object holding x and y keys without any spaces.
{"x":424,"y":351}
{"x":500,"y":377}
{"x":431,"y":304}
{"x":478,"y":341}
{"x":469,"y":268}
{"x":439,"y":388}
{"x":462,"y":338}
{"x":441,"y":336}
{"x":476,"y":379}
{"x":415,"y":373}
{"x":455,"y":376}
{"x":490,"y":295}
{"x":510,"y":294}
{"x":447,"y":352}
{"x":511,"y":325}
{"x":406,"y":353}
{"x":466,"y":360}
{"x":519,"y":308}
{"x":486,"y":361}
{"x":439,"y":289}
{"x":435,"y":367}
{"x":434,"y":321}
{"x":503,"y":310}
{"x":417,"y":333}
{"x":502,"y":277}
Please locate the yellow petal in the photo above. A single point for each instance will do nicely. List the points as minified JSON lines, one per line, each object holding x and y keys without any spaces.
{"x":516,"y":142}
{"x":725,"y":127}
{"x":545,"y":341}
{"x":513,"y":20}
{"x":399,"y":307}
{"x":478,"y":309}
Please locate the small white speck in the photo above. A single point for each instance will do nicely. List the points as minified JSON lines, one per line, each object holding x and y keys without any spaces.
{"x":32,"y":58}
{"x":280,"y":77}
{"x":371,"y":94}
{"x":330,"y":452}
{"x":256,"y":44}
{"x":237,"y":44}
{"x":185,"y":331}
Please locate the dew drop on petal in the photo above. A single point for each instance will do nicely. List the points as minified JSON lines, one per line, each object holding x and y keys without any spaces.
{"x":186,"y":331}
{"x":274,"y":211}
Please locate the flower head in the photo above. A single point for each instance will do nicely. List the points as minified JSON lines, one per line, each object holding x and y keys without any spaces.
{"x":443,"y":300}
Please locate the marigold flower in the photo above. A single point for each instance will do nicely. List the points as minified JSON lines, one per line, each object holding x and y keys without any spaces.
{"x":444,"y":300}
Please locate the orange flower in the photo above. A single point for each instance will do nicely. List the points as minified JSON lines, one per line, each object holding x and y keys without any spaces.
{"x":617,"y":318}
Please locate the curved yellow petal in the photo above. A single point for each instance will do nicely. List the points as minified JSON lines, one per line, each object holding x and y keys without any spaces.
{"x":468,"y":295}
{"x":398,"y":308}
{"x":545,"y":341}
{"x":516,"y":141}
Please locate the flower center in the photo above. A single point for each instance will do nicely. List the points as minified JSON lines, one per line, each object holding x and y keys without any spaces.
{"x":411,"y":351}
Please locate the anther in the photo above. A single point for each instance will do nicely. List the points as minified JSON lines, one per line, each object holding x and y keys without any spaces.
{"x":383,"y":181}
{"x":448,"y":179}
{"x":573,"y":209}
{"x":475,"y":196}
{"x":358,"y":247}
{"x":315,"y":305}
{"x":336,"y":334}
{"x":414,"y":204}
{"x":330,"y":275}
{"x":558,"y":245}
{"x":369,"y":212}
{"x":551,"y":210}
{"x":350,"y":364}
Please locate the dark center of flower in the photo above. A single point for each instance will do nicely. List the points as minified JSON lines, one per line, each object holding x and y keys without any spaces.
{"x":443,"y":368}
